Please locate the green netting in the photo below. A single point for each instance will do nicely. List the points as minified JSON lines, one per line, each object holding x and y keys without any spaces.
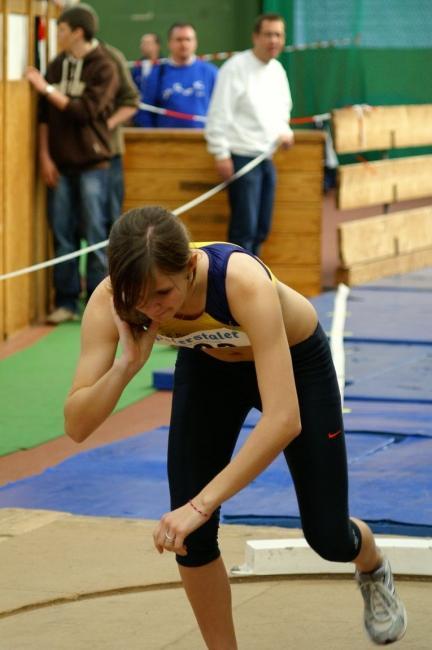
{"x":379,"y":23}
{"x":388,"y":62}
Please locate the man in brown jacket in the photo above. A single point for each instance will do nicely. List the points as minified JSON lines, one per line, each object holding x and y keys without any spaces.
{"x":77,"y":99}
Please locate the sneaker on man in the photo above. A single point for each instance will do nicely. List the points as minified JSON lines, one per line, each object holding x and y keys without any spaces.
{"x":385,"y":618}
{"x":61,"y":315}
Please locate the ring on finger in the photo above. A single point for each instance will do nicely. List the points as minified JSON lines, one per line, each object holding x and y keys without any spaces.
{"x":169,"y":538}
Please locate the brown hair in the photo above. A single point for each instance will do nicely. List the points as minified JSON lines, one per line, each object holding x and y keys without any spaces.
{"x":82,"y":16}
{"x":143,"y":241}
{"x":179,"y":26}
{"x":272,"y":17}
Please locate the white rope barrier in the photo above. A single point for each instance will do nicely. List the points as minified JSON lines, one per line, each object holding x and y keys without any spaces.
{"x":180,"y":210}
{"x":337,"y":335}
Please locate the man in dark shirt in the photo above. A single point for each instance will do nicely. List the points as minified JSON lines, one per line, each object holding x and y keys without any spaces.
{"x":77,"y":99}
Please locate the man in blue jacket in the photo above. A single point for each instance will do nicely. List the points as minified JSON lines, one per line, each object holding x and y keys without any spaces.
{"x":183,"y":83}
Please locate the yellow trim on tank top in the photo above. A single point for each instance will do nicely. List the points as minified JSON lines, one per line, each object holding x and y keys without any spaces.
{"x":177,"y":327}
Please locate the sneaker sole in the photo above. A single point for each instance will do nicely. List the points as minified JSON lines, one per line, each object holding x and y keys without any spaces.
{"x":398,"y":638}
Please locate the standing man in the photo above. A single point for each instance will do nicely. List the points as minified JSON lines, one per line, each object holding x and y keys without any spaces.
{"x":183,"y":83}
{"x":126,"y":104}
{"x":249,"y":112}
{"x":150,"y":50}
{"x":77,"y":99}
{"x":150,"y":53}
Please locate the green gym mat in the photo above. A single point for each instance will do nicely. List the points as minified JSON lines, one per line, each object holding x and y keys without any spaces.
{"x":35,"y":382}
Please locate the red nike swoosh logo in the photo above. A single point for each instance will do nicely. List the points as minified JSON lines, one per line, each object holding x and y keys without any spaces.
{"x":335,"y":434}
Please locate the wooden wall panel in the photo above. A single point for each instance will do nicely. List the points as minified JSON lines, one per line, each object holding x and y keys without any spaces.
{"x":18,"y":202}
{"x":18,"y":186}
{"x":376,"y":269}
{"x":41,"y":280}
{"x":384,"y":181}
{"x":23,"y":227}
{"x":385,"y":245}
{"x":382,"y":127}
{"x":2,"y":130}
{"x":173,"y":167}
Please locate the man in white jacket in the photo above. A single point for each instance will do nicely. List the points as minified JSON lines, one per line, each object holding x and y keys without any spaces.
{"x":249,"y":112}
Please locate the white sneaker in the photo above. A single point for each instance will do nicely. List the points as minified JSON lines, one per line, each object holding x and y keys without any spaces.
{"x":61,"y":315}
{"x":385,"y":618}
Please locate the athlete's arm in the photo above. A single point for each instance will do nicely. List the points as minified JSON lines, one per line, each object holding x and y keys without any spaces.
{"x":101,"y":377}
{"x":256,"y":307}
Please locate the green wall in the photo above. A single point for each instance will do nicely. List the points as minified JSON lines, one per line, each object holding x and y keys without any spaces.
{"x":222,"y":25}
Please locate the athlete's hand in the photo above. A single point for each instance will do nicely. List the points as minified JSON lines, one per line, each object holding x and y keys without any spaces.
{"x":136,"y":347}
{"x":175,"y":526}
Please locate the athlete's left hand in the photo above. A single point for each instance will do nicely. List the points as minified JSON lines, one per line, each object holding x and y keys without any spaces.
{"x":175,"y":526}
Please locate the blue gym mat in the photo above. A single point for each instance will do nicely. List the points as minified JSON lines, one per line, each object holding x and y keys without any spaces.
{"x":128,"y":479}
{"x":384,"y":316}
{"x":400,"y":418}
{"x":401,"y":379}
{"x":374,"y":371}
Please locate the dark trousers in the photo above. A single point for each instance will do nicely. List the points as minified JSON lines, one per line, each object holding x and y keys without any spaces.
{"x":116,"y":190}
{"x":77,"y":206}
{"x":211,"y":400}
{"x":251,"y":201}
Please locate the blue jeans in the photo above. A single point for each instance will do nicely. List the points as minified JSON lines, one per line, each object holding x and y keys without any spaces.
{"x":116,"y":189}
{"x":78,"y":205}
{"x":251,"y":201}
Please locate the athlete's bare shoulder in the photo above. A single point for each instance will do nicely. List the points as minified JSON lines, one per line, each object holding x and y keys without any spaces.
{"x":98,"y":314}
{"x":244,"y":268}
{"x":248,"y":277}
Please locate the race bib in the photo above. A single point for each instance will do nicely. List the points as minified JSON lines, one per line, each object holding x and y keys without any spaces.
{"x":216,"y":338}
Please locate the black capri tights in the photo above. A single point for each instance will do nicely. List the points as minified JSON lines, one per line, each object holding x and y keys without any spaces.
{"x":210,"y":403}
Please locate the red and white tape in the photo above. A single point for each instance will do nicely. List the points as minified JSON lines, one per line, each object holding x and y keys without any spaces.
{"x":202,"y":118}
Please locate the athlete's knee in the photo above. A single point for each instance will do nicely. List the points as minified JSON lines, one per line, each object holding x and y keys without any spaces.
{"x":199,"y":554}
{"x":202,"y":545}
{"x":334,"y":545}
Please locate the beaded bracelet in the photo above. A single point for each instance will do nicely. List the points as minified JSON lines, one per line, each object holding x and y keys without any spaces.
{"x":203,"y":514}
